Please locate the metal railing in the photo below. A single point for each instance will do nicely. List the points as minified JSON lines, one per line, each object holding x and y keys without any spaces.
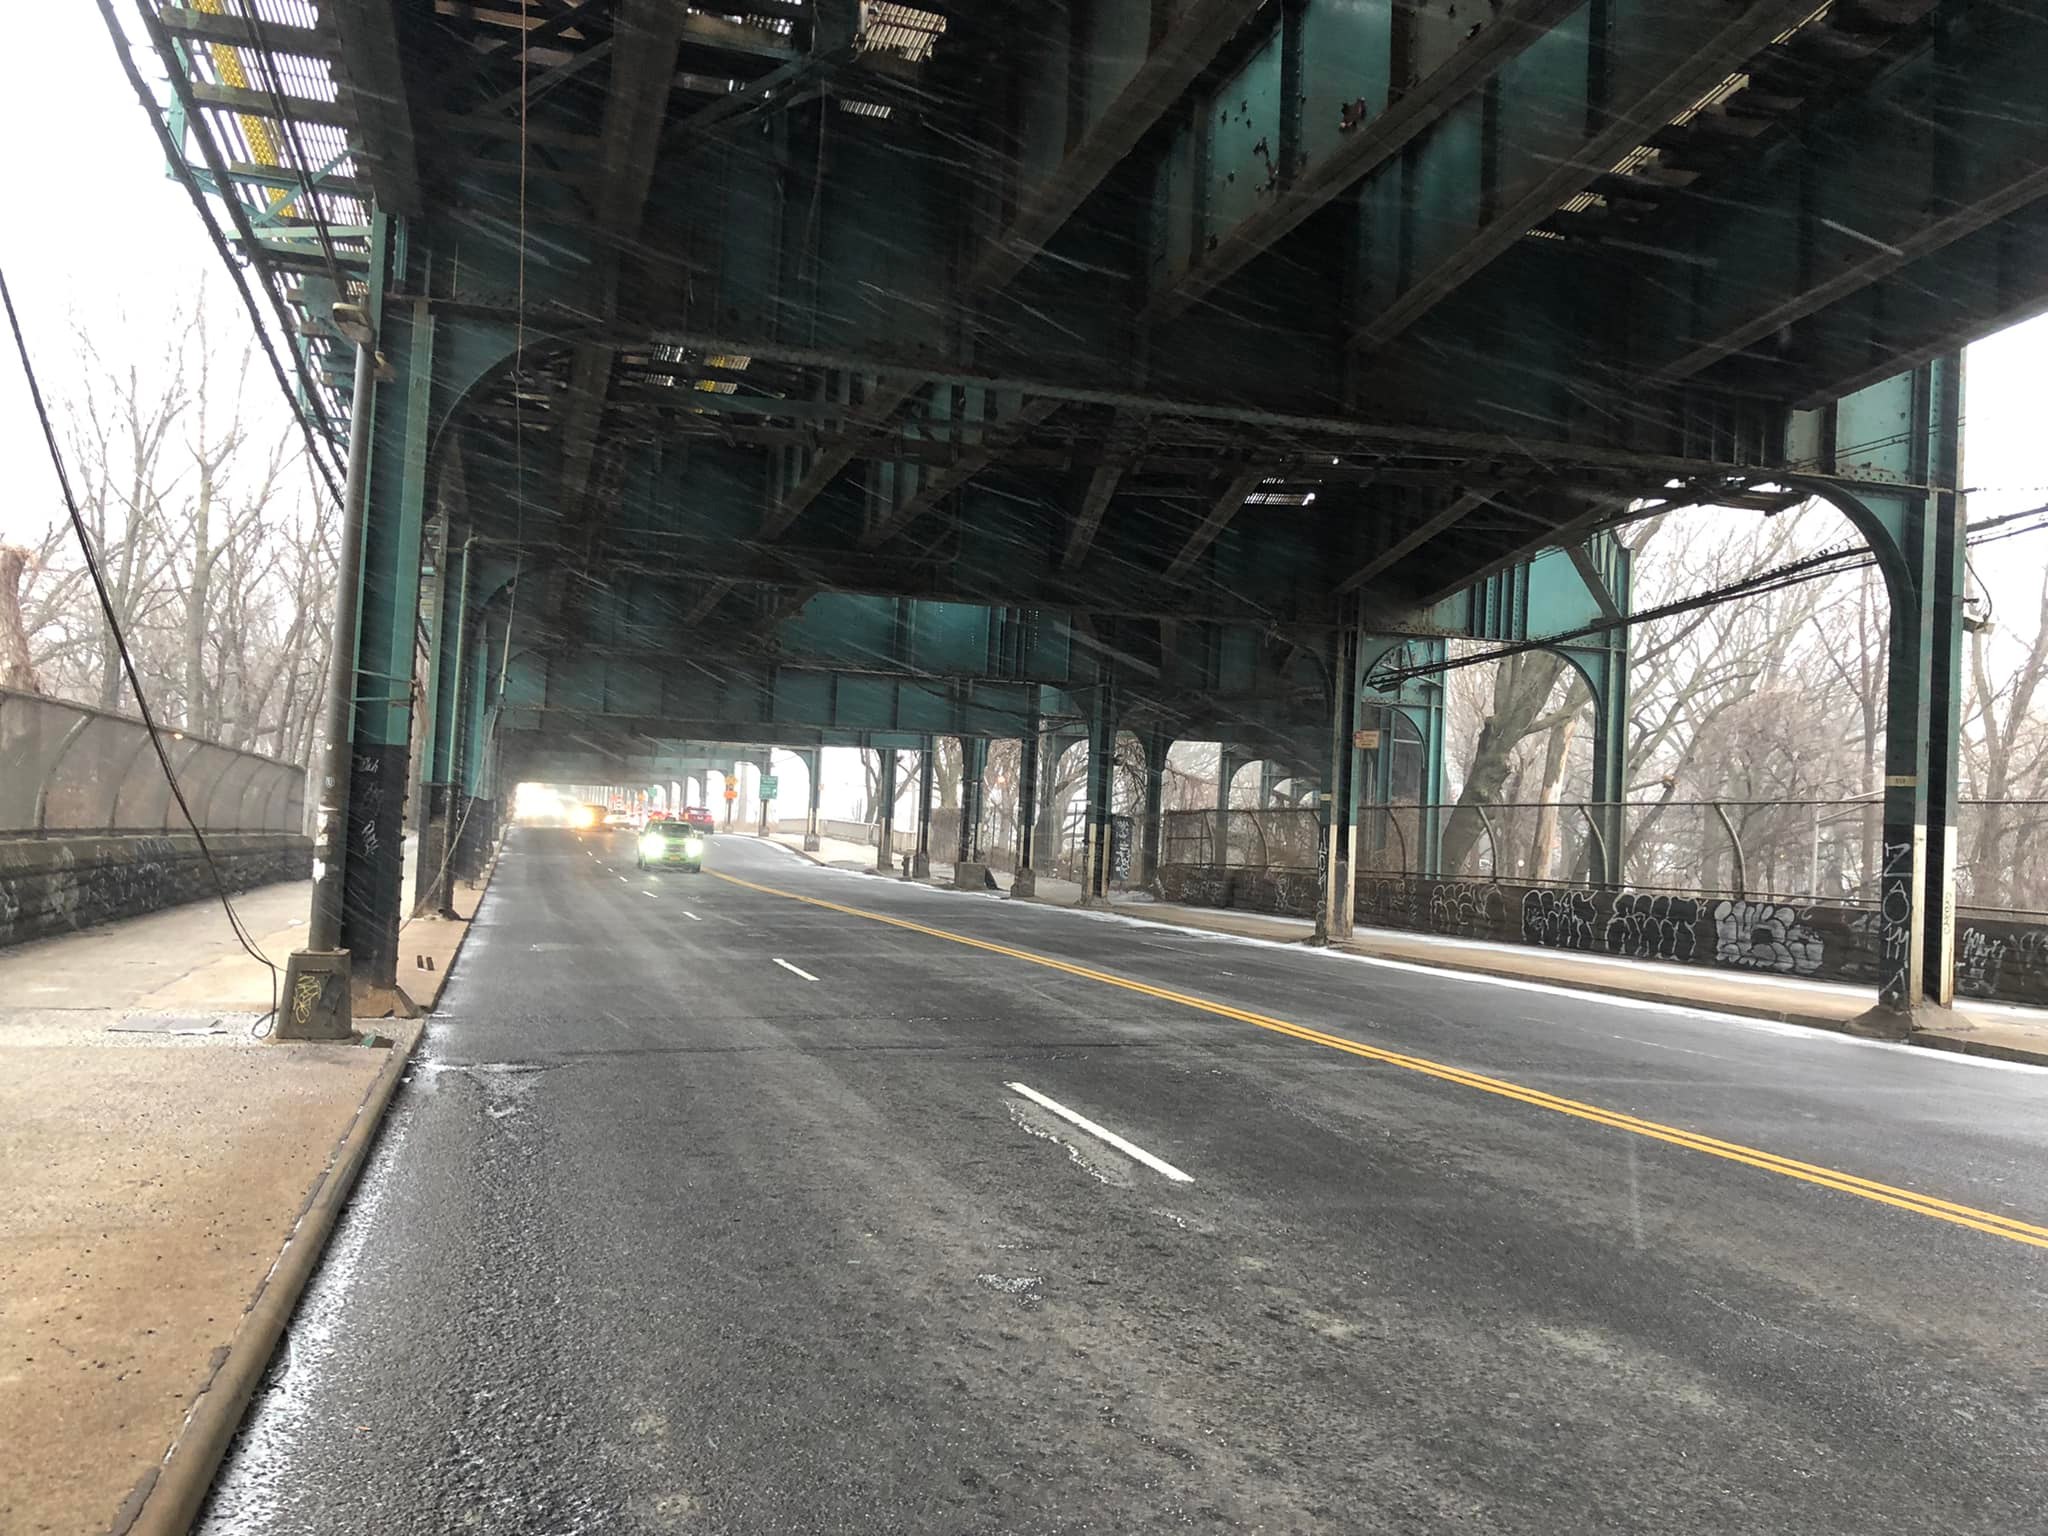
{"x":1283,"y":838}
{"x":67,"y":770}
{"x":1791,"y":850}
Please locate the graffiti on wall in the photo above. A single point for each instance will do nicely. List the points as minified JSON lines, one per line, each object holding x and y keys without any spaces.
{"x":1980,"y":960}
{"x":1385,"y":899}
{"x":1560,"y":919}
{"x":2003,"y":960}
{"x":1760,"y":936}
{"x":1996,"y":957}
{"x":1895,"y":933}
{"x":1466,"y":910}
{"x":1654,"y":927}
{"x":60,"y":885}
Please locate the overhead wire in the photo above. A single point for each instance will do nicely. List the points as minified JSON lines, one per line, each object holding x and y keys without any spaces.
{"x":1831,"y":562}
{"x":99,"y":583}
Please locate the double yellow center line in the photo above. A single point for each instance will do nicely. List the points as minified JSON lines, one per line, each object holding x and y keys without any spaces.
{"x":1730,"y":1151}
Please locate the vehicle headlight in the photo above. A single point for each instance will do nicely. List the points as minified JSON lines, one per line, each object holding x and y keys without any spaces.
{"x":693,"y":847}
{"x":651,"y":845}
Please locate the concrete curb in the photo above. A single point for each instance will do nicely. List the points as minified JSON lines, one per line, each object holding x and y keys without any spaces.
{"x":1960,"y":1045}
{"x":805,"y":853}
{"x":1137,"y":914}
{"x":1641,"y":994}
{"x":432,"y":1000}
{"x":170,"y":1497}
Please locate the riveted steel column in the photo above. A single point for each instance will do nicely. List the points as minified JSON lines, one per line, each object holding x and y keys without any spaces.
{"x":885,"y":817}
{"x":1226,"y":769}
{"x":1095,"y":845}
{"x":1908,"y":430}
{"x":432,"y":881}
{"x":817,"y":763}
{"x":973,"y":771}
{"x":383,"y":662}
{"x":921,"y":863}
{"x":1156,"y":744}
{"x":1339,"y":800}
{"x":1025,"y":882}
{"x":331,"y":844}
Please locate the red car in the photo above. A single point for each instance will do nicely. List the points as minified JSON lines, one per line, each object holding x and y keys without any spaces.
{"x":698,"y":817}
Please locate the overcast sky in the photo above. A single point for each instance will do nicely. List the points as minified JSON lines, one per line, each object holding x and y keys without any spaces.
{"x":96,"y":230}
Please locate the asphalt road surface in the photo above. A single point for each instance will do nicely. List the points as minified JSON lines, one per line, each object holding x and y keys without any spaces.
{"x":707,"y":1209}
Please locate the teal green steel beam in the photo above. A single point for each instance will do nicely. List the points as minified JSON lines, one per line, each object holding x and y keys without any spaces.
{"x":1952,"y":140}
{"x":1911,"y":425}
{"x":1358,"y":85}
{"x":1988,"y":280}
{"x":382,"y":665}
{"x":1410,"y":712}
{"x":1095,"y":849}
{"x":1088,"y":98}
{"x":1338,"y":800}
{"x":1559,"y":113}
{"x":733,"y":701}
{"x":440,"y":755}
{"x":445,"y":687}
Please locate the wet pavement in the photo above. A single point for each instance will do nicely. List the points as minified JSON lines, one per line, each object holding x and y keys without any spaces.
{"x":710,"y":1210}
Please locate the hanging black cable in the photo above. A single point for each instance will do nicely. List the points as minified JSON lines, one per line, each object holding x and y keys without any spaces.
{"x":1833,"y":562}
{"x":99,"y":585}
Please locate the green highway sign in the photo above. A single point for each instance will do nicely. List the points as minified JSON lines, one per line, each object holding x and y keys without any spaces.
{"x":769,"y":784}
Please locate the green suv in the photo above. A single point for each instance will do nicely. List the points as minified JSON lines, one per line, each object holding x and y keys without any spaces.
{"x":672,"y":845}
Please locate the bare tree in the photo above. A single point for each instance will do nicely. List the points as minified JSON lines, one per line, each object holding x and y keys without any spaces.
{"x":16,"y":670}
{"x":2005,"y":747}
{"x":216,"y":549}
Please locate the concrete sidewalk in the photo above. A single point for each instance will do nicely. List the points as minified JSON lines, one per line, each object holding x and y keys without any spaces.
{"x":1988,"y":1029}
{"x":1982,"y":1028}
{"x":156,"y":1160}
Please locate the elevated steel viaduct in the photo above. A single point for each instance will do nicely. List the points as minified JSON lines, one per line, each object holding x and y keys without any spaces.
{"x":804,"y":372}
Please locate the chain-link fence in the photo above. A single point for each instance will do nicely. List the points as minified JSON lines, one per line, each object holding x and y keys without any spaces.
{"x":1790,"y":850}
{"x":67,"y":769}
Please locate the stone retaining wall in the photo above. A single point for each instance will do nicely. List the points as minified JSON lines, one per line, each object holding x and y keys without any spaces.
{"x":51,"y":885}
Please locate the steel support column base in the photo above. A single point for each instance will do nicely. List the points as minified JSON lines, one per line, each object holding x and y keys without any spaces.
{"x":921,"y":867}
{"x":812,"y":844}
{"x":1024,"y":882}
{"x":370,"y":1000}
{"x":1882,"y":1023}
{"x":316,"y":1001}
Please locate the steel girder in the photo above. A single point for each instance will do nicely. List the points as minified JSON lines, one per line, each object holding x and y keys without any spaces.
{"x":1952,"y":140}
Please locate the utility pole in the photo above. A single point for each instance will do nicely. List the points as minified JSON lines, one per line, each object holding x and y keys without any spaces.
{"x":315,"y":1005}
